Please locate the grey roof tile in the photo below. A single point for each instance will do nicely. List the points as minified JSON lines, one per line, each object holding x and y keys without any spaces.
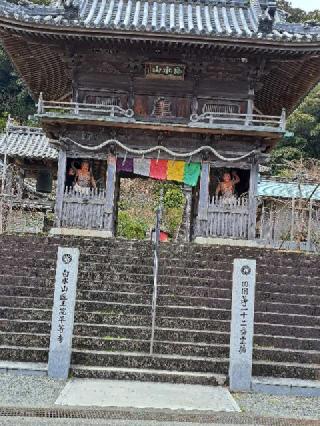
{"x":233,"y":18}
{"x":26,"y":142}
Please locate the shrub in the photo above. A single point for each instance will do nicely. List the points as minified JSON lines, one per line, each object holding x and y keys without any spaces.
{"x":173,"y":219}
{"x":131,"y":228}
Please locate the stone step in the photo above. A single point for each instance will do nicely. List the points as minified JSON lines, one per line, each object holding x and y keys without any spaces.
{"x":304,"y":338}
{"x":189,"y":335}
{"x":28,"y":281}
{"x":202,"y":288}
{"x":22,"y":353}
{"x":162,"y":300}
{"x":197,"y":312}
{"x":202,"y":349}
{"x":160,"y":347}
{"x":144,"y":360}
{"x":26,"y":314}
{"x":97,"y":246}
{"x":213,"y":271}
{"x":309,"y":295}
{"x":145,"y":375}
{"x":12,"y":290}
{"x":286,"y":369}
{"x":220,"y":280}
{"x":113,"y":311}
{"x":27,"y":302}
{"x":109,"y":344}
{"x":45,"y":289}
{"x":22,"y":271}
{"x":210,"y":297}
{"x":144,"y":333}
{"x":172,"y":265}
{"x":42,"y":260}
{"x":26,"y":339}
{"x":287,"y":319}
{"x":24,"y":326}
{"x":195,"y":303}
{"x":27,"y":275}
{"x":288,"y":290}
{"x":197,"y":260}
{"x":307,"y":317}
{"x":194,"y":364}
{"x":286,"y":355}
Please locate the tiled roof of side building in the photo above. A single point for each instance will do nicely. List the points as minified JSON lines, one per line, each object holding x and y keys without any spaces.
{"x":233,"y":18}
{"x":288,"y":190}
{"x":27,"y":142}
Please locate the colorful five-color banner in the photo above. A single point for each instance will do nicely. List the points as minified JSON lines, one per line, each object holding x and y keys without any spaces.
{"x":174,"y":170}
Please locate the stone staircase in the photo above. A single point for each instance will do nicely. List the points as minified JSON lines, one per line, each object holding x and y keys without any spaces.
{"x":113,"y":310}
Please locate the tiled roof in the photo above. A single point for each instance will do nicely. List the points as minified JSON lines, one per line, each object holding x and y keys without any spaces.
{"x":233,"y":18}
{"x":272,"y":188}
{"x":26,"y":142}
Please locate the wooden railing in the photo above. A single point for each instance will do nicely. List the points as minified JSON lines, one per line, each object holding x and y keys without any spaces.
{"x":85,"y":209}
{"x":206,"y":119}
{"x":81,"y":109}
{"x":212,"y":118}
{"x":227,"y":218}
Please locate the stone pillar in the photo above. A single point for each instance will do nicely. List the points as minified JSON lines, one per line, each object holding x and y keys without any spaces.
{"x":63,"y":312}
{"x":242,"y":324}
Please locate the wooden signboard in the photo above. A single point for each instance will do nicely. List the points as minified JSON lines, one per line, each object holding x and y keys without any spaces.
{"x":164,"y":71}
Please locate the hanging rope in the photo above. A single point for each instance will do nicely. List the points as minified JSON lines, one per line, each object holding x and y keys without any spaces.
{"x":158,"y":149}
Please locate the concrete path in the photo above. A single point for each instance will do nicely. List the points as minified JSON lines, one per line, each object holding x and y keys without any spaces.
{"x":114,"y":393}
{"x":15,"y":421}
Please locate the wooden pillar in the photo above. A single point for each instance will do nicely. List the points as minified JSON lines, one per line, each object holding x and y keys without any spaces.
{"x":250,"y":108}
{"x":203,"y":198}
{"x":309,"y":243}
{"x":62,"y":164}
{"x":184,"y":233}
{"x":253,"y":200}
{"x":110,"y":193}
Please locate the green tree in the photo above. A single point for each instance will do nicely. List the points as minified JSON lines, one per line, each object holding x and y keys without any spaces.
{"x":296,"y":14}
{"x":14,"y":98}
{"x":304,"y":124}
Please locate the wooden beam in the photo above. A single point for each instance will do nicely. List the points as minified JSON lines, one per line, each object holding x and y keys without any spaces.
{"x":276,"y":135}
{"x":62,"y":164}
{"x":252,"y":220}
{"x":204,"y":192}
{"x":187,"y":190}
{"x":110,"y":192}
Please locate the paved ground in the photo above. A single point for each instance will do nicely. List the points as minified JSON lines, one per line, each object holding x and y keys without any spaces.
{"x":284,"y":406}
{"x":115,"y":393}
{"x":39,"y":392}
{"x":28,"y":391}
{"x":17,"y":421}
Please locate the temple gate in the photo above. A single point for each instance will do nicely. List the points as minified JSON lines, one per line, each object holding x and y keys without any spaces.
{"x":201,"y":83}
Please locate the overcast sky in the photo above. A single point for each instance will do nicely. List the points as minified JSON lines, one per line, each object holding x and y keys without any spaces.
{"x":306,"y":4}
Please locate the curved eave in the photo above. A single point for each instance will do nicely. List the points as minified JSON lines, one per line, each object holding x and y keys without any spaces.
{"x":87,"y":33}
